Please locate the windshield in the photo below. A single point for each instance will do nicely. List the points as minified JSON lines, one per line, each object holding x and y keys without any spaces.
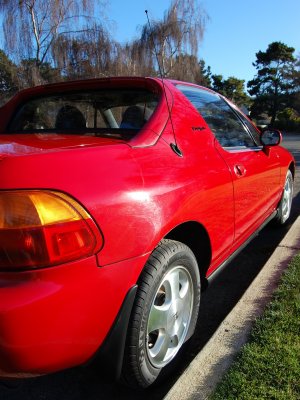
{"x":117,"y":112}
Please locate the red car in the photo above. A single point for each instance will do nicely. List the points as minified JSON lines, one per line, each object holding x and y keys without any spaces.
{"x":118,"y":198}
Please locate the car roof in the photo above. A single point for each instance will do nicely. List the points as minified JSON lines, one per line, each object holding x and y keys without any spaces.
{"x":106,"y":81}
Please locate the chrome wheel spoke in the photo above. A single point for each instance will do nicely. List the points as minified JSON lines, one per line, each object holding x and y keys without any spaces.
{"x":185,"y":312}
{"x":161,"y":348}
{"x":180,"y":328}
{"x":158,"y":318}
{"x":172,"y":286}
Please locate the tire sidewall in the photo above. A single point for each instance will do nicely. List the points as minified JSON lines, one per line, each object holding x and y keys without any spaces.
{"x":280,"y":218}
{"x":188,"y":261}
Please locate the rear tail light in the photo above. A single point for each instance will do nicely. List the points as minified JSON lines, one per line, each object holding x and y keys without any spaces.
{"x":44,"y":228}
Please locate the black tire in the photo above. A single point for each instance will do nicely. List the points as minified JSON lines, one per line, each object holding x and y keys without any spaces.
{"x":285,"y":205}
{"x":164,"y":314}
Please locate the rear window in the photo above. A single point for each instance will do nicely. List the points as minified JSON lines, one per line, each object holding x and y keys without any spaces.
{"x":104,"y":112}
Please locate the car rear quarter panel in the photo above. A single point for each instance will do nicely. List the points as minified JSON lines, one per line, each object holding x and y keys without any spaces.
{"x":136,"y":195}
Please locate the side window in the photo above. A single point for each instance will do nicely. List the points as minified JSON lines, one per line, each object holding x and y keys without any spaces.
{"x":222,"y":120}
{"x":253,"y":131}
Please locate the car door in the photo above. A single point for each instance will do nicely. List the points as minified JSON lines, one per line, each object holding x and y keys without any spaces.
{"x":255,"y":172}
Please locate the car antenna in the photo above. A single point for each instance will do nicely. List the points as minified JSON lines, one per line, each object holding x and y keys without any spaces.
{"x":174,"y":146}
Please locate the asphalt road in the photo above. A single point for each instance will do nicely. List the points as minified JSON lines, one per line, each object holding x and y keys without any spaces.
{"x":292,"y":143}
{"x":223,"y":294}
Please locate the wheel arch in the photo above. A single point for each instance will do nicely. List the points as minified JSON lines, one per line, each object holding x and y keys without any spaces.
{"x":195,"y":236}
{"x":292,"y":168}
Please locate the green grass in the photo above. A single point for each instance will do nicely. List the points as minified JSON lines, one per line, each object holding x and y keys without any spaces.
{"x":268,"y":367}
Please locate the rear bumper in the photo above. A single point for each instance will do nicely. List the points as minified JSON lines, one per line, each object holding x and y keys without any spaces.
{"x":57,"y":318}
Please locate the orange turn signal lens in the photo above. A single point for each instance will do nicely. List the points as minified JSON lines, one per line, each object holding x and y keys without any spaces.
{"x":44,"y":228}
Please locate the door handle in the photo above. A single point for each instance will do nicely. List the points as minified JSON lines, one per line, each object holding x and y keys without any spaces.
{"x":239,"y":170}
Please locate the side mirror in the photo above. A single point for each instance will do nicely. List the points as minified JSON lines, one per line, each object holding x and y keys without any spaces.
{"x":271,"y":137}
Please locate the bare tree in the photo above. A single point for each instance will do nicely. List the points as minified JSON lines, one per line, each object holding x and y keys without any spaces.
{"x":135,"y":59}
{"x":188,"y":68}
{"x":56,"y":39}
{"x":180,"y":32}
{"x":91,"y":53}
{"x":32,"y":26}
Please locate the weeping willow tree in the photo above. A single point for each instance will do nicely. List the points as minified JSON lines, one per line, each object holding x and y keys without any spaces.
{"x":178,"y":34}
{"x":88,"y":54}
{"x":57,"y":39}
{"x":31,"y":27}
{"x":176,"y":38}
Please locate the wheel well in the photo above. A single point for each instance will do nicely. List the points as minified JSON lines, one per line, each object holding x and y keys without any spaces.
{"x":292,"y":169}
{"x":195,"y":236}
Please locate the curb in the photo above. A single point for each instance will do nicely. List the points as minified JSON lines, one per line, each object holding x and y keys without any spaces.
{"x":208,"y":367}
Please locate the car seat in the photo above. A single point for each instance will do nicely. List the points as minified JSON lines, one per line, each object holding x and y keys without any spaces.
{"x":133,"y":118}
{"x":69,"y":117}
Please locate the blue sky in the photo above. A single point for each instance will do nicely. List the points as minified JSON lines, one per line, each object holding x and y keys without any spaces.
{"x":236,"y":30}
